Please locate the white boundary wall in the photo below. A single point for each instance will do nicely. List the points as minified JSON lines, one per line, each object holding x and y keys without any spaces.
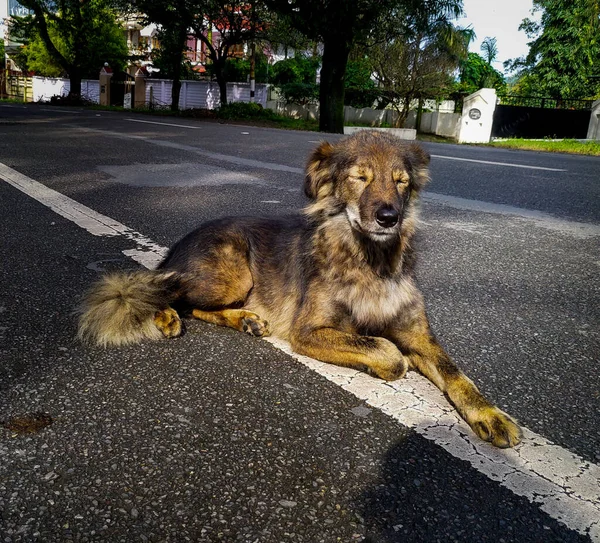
{"x":45,"y":88}
{"x":201,"y":94}
{"x":194,"y":94}
{"x":593,"y":132}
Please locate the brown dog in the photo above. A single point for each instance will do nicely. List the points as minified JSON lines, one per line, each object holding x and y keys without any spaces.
{"x":336,"y":282}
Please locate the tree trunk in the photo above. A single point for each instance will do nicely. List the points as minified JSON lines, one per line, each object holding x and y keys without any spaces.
{"x":180,"y":46}
{"x":74,"y":83}
{"x":331,"y":90}
{"x":221,"y":81}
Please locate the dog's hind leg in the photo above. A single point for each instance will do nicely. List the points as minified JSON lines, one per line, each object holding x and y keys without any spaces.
{"x":239,"y":319}
{"x":429,"y":358}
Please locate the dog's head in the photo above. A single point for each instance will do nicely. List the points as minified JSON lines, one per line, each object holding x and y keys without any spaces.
{"x":372,"y":176}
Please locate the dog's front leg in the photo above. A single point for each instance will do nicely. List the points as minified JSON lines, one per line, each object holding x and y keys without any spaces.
{"x":426,"y":356}
{"x":375,"y":354}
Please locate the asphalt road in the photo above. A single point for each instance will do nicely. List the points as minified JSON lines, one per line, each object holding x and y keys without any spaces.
{"x":217,"y":436}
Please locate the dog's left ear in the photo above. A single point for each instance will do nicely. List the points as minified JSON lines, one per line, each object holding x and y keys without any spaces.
{"x":419,"y":164}
{"x":318,"y":182}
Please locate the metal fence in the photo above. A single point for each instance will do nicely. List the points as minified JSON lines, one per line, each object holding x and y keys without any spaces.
{"x":543,"y":102}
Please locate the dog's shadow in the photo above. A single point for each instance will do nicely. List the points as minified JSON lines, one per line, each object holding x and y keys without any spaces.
{"x":424,"y":494}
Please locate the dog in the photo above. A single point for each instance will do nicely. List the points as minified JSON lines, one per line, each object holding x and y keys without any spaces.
{"x":336,"y":281}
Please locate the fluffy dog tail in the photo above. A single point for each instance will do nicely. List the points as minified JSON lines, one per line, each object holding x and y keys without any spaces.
{"x":120,"y":308}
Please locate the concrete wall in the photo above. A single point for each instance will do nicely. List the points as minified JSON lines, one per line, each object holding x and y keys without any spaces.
{"x":45,"y":88}
{"x":477,"y":117}
{"x":593,"y":132}
{"x":194,"y":94}
{"x":201,"y":94}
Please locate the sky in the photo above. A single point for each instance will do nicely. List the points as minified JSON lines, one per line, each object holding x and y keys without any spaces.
{"x":499,"y":19}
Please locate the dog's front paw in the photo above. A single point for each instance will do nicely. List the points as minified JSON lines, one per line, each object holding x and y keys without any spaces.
{"x":493,"y":425}
{"x":389,"y":364}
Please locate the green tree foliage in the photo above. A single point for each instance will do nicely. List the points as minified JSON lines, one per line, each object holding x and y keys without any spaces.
{"x":108,"y":45}
{"x":338,"y":25}
{"x":296,"y":79}
{"x":235,"y":23}
{"x":564,"y":54}
{"x":416,"y":52}
{"x":360,"y":87}
{"x":174,"y":18}
{"x":73,"y":37}
{"x":477,"y":73}
{"x":238,"y":69}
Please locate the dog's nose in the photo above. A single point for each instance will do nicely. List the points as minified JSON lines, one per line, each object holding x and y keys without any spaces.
{"x":387,"y":217}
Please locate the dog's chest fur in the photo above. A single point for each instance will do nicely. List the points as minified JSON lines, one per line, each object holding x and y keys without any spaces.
{"x":371,"y":298}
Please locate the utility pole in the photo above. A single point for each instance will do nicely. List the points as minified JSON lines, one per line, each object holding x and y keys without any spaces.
{"x":253,"y":54}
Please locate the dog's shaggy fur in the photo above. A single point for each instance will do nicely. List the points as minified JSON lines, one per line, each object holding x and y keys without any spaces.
{"x":336,"y":282}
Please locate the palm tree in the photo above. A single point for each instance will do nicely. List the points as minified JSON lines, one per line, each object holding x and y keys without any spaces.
{"x":489,"y":49}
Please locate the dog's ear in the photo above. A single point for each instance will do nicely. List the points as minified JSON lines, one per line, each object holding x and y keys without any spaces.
{"x":419,"y":160}
{"x":318,"y":181}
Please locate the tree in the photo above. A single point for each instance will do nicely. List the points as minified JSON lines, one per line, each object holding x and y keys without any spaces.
{"x":74,"y":36}
{"x":178,"y":19}
{"x":421,"y":67}
{"x":476,"y":73}
{"x":236,"y":24}
{"x":337,"y":24}
{"x":174,"y":18}
{"x":415,"y":51}
{"x":563,"y":59}
{"x":489,"y":48}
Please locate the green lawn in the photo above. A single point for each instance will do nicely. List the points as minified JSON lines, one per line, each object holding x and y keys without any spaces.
{"x":551,"y":146}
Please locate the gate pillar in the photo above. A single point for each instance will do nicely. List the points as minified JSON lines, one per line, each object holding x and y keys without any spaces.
{"x":593,"y":132}
{"x":104,"y":79}
{"x":139,"y":99}
{"x":477,"y":117}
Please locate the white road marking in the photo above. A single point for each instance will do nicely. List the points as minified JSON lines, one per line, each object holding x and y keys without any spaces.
{"x":60,"y":110}
{"x":510,"y":165}
{"x":146,"y":252}
{"x":564,"y":485}
{"x":433,"y":156}
{"x":166,"y":124}
{"x":196,"y":150}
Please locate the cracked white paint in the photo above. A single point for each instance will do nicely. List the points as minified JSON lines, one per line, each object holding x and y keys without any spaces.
{"x":564,"y":485}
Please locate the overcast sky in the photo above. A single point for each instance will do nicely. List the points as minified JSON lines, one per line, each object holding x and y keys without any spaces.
{"x":499,"y":19}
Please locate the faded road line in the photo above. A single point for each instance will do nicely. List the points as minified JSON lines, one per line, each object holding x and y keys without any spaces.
{"x":581,"y":230}
{"x":564,"y":485}
{"x":510,"y":165}
{"x":166,"y":124}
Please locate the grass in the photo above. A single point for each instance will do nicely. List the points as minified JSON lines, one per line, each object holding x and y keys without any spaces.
{"x":551,"y":146}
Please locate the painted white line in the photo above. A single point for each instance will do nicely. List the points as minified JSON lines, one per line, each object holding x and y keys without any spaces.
{"x":499,"y":163}
{"x":59,"y":110}
{"x":146,"y":252}
{"x":166,"y":124}
{"x":564,"y":485}
{"x":434,"y":156}
{"x":196,"y":150}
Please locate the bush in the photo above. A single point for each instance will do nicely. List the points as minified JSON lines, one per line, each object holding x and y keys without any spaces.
{"x":300,"y":93}
{"x":244,"y":110}
{"x":295,"y":70}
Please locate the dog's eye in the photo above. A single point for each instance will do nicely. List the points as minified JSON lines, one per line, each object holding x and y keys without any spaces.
{"x":402,"y":181}
{"x":362,"y":178}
